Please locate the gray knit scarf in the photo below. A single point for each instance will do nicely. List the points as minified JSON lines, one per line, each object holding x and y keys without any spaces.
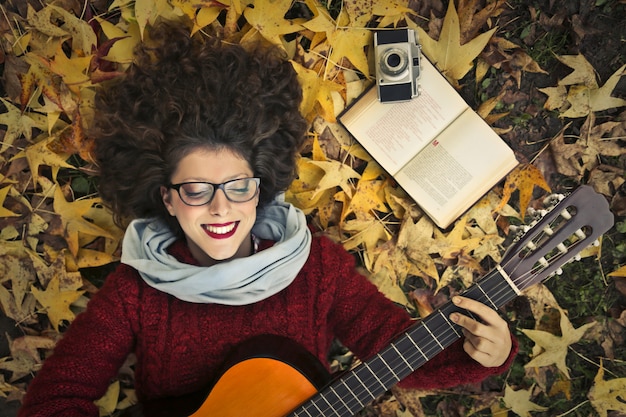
{"x":239,"y":281}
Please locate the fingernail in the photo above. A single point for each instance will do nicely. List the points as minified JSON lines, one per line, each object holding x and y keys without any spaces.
{"x":454,"y":317}
{"x":456,"y":300}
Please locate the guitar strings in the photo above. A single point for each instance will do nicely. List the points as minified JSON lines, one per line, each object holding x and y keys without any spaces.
{"x":430,"y":348}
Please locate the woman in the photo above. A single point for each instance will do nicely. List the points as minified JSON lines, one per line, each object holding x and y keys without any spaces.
{"x":195,"y":143}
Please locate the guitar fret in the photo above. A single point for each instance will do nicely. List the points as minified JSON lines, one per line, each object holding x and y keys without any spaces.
{"x":376,"y":376}
{"x":340,"y":398}
{"x":433,"y":336}
{"x":389,"y":368}
{"x":418,"y":348}
{"x":450,"y":324}
{"x":356,"y":375}
{"x":486,"y":296}
{"x":403,"y":358}
{"x":353,"y":394}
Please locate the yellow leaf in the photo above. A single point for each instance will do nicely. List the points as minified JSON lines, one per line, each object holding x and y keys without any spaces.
{"x":268,"y":17}
{"x":365,"y":233}
{"x":56,"y":302}
{"x":552,"y":350}
{"x":108,"y":403}
{"x":40,"y":154}
{"x":83,"y":36}
{"x":316,"y":90}
{"x":519,"y":401}
{"x":369,"y":197}
{"x":350,"y":43}
{"x":3,"y":195}
{"x":17,"y":124}
{"x":336,"y":174}
{"x":73,"y":221}
{"x":620,"y":272}
{"x":608,"y":395}
{"x":122,"y":50}
{"x":523,"y":178}
{"x":453,"y":59}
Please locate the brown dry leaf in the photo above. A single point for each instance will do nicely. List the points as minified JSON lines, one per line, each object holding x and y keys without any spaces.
{"x":474,"y":15}
{"x":583,"y":96}
{"x":608,"y":395}
{"x":552,"y":350}
{"x":575,"y":159}
{"x":523,"y":178}
{"x":25,"y":358}
{"x":452,"y":58}
{"x":450,"y":246}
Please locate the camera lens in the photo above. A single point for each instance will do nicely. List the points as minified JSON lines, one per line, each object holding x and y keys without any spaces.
{"x":394,"y":61}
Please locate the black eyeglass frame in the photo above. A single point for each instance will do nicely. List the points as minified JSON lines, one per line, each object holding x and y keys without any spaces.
{"x":216,"y":187}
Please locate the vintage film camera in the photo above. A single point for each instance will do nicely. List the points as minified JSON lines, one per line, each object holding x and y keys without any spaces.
{"x":398,"y":58}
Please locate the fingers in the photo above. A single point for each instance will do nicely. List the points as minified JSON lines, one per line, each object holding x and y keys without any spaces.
{"x":487,"y":341}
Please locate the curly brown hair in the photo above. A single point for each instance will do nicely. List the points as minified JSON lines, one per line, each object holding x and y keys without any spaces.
{"x":187,"y":92}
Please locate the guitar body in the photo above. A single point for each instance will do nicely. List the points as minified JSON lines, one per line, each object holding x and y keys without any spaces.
{"x":257,"y":387}
{"x":266,"y":376}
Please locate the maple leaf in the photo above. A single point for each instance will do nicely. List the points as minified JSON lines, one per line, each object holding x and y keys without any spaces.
{"x":336,"y":174}
{"x":17,"y":124}
{"x":316,"y":90}
{"x":450,"y":246}
{"x":368,"y":197}
{"x":414,"y":239}
{"x":453,"y":59}
{"x":83,"y":36}
{"x":122,"y":50}
{"x":608,"y":395}
{"x":523,"y":178}
{"x":550,"y":349}
{"x":574,"y":159}
{"x":40,"y":154}
{"x":24,"y":358}
{"x":56,"y":302}
{"x":351,"y":43}
{"x":268,"y":17}
{"x":519,"y":401}
{"x":4,"y":212}
{"x":584,"y":96}
{"x":73,"y":221}
{"x":365,"y":233}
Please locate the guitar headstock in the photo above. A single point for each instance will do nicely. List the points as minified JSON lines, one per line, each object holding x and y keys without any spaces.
{"x":571,"y":226}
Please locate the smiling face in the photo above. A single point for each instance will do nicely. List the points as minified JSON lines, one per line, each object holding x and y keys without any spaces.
{"x":219,"y":230}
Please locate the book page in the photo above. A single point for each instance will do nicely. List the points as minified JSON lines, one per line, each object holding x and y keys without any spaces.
{"x":457,"y":168}
{"x":395,"y":132}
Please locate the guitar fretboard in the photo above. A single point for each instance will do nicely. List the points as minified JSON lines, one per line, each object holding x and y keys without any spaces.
{"x":420,"y":343}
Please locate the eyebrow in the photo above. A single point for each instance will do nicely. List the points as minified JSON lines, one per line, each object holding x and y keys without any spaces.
{"x":234,"y":177}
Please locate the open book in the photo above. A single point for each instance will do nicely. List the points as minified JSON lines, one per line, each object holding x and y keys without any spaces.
{"x":437,"y":148}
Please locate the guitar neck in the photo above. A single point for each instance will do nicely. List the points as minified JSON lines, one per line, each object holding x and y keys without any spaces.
{"x":416,"y":346}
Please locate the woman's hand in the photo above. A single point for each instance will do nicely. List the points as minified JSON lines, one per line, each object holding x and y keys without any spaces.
{"x":487,"y":342}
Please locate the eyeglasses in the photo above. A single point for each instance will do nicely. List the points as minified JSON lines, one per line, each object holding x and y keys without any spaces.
{"x":198,"y":193}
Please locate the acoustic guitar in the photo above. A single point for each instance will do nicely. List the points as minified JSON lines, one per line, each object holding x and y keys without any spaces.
{"x":289,"y":381}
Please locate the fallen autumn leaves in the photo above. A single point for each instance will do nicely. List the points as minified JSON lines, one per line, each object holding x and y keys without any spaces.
{"x":53,"y":228}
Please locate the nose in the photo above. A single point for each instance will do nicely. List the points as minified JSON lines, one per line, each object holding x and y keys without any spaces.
{"x":219,"y":205}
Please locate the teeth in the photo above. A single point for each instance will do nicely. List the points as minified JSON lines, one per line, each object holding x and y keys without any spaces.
{"x":220,"y":230}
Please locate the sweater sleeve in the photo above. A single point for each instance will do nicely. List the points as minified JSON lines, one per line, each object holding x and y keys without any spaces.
{"x":88,"y":356}
{"x":366,"y":321}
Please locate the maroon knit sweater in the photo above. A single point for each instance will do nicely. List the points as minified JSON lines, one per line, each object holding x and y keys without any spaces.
{"x":180,"y":345}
